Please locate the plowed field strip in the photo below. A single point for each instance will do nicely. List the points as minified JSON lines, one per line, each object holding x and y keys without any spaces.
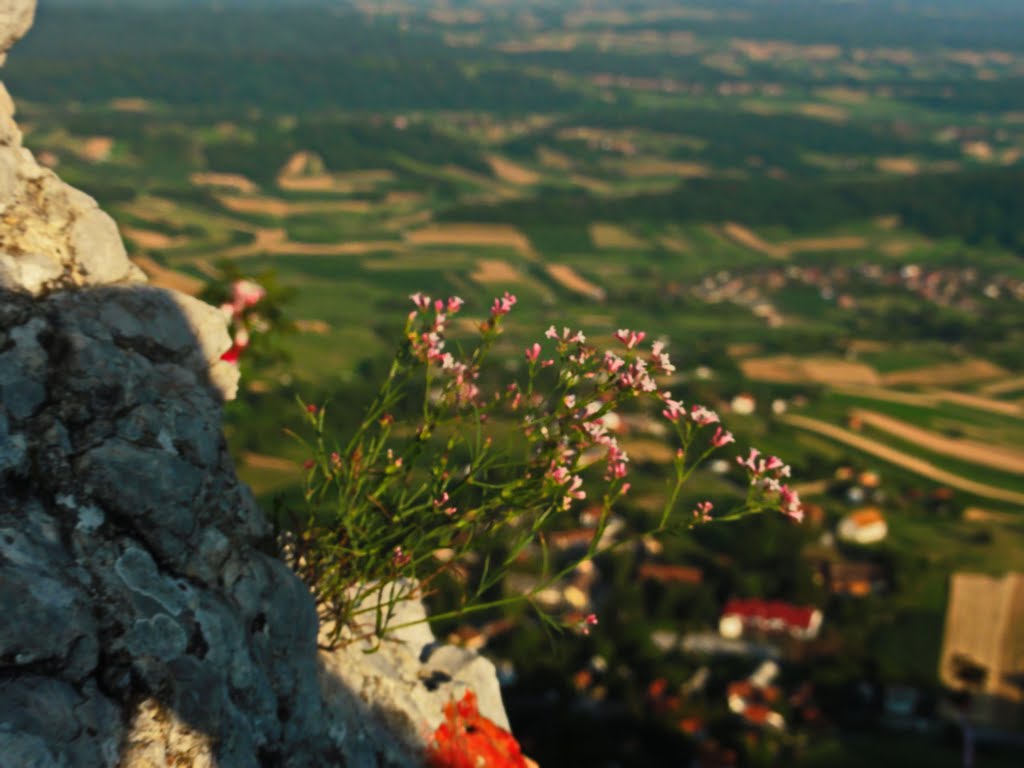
{"x":901,"y":459}
{"x":995,"y":456}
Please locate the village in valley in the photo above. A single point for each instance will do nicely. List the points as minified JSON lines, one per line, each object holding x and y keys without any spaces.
{"x":821,"y":219}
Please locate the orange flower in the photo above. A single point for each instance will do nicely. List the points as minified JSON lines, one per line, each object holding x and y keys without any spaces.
{"x":467,"y":739}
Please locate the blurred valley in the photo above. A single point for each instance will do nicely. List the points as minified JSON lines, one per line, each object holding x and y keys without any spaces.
{"x":818,"y":205}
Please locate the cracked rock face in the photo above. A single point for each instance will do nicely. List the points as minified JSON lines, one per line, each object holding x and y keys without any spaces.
{"x":141,"y":622}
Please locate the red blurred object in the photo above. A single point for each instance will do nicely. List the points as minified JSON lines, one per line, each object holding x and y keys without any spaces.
{"x":232,"y":355}
{"x":467,"y":739}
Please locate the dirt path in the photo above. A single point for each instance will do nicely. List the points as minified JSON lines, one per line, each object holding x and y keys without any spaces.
{"x":162,"y":277}
{"x":976,"y":452}
{"x":275,"y":242}
{"x":1004,"y":386}
{"x":981,"y":403}
{"x":946,"y":374}
{"x":749,"y":239}
{"x":573,"y":281}
{"x":272,"y":463}
{"x":901,"y":459}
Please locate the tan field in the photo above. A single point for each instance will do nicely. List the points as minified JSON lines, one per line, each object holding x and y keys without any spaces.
{"x":829,"y":112}
{"x":274,"y":206}
{"x":976,"y":452}
{"x":96,"y":149}
{"x":1001,"y":387}
{"x":897,"y":248}
{"x":571,"y":280}
{"x":901,"y":459}
{"x":646,"y":168}
{"x":840,"y":243}
{"x":310,"y":177}
{"x":981,"y":403}
{"x":614,"y":236}
{"x":488,"y":271}
{"x":151,"y":240}
{"x":902,"y":166}
{"x":844,"y":95}
{"x":511,"y":172}
{"x":130,"y":105}
{"x":553,"y":159}
{"x":784,"y":369}
{"x":319,"y":327}
{"x":162,"y":277}
{"x":274,"y":240}
{"x":498,"y":235}
{"x":233,"y":181}
{"x":272,"y":463}
{"x":946,"y":374}
{"x":676,"y":243}
{"x":591,"y":184}
{"x":979,"y":515}
{"x":749,"y":239}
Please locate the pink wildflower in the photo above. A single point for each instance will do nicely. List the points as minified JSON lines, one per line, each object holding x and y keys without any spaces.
{"x":590,"y":620}
{"x":792,"y":507}
{"x":660,"y":360}
{"x":566,"y":336}
{"x":246,"y":293}
{"x":532,"y":353}
{"x":703,"y":416}
{"x":721,"y":438}
{"x":503,"y":305}
{"x":673,"y":408}
{"x":702,"y":513}
{"x":399,"y":557}
{"x":630,"y":338}
{"x":612,"y":362}
{"x":440,"y":502}
{"x":421,"y":301}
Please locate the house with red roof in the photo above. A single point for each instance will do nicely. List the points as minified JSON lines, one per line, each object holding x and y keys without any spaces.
{"x":740,"y":616}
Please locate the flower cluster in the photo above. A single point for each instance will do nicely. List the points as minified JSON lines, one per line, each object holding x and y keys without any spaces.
{"x":487,"y":464}
{"x":766,"y":474}
{"x":242,"y":317}
{"x":467,"y":739}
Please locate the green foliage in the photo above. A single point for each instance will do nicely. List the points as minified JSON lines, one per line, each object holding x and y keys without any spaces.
{"x":480,"y":472}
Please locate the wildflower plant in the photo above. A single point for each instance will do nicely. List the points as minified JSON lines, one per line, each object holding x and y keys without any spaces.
{"x":482,"y":472}
{"x":253,"y":308}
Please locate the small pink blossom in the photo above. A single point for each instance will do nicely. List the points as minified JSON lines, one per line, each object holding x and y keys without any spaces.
{"x":612,"y":362}
{"x":702,"y":512}
{"x":399,"y":558}
{"x":421,"y":301}
{"x":630,"y":338}
{"x":673,"y":409}
{"x":439,"y":504}
{"x":566,"y":336}
{"x":454,"y":304}
{"x":532,"y":353}
{"x":590,"y":620}
{"x":722,"y":438}
{"x":660,"y":360}
{"x":246,"y":293}
{"x":703,"y":416}
{"x":503,"y":305}
{"x":792,"y":507}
